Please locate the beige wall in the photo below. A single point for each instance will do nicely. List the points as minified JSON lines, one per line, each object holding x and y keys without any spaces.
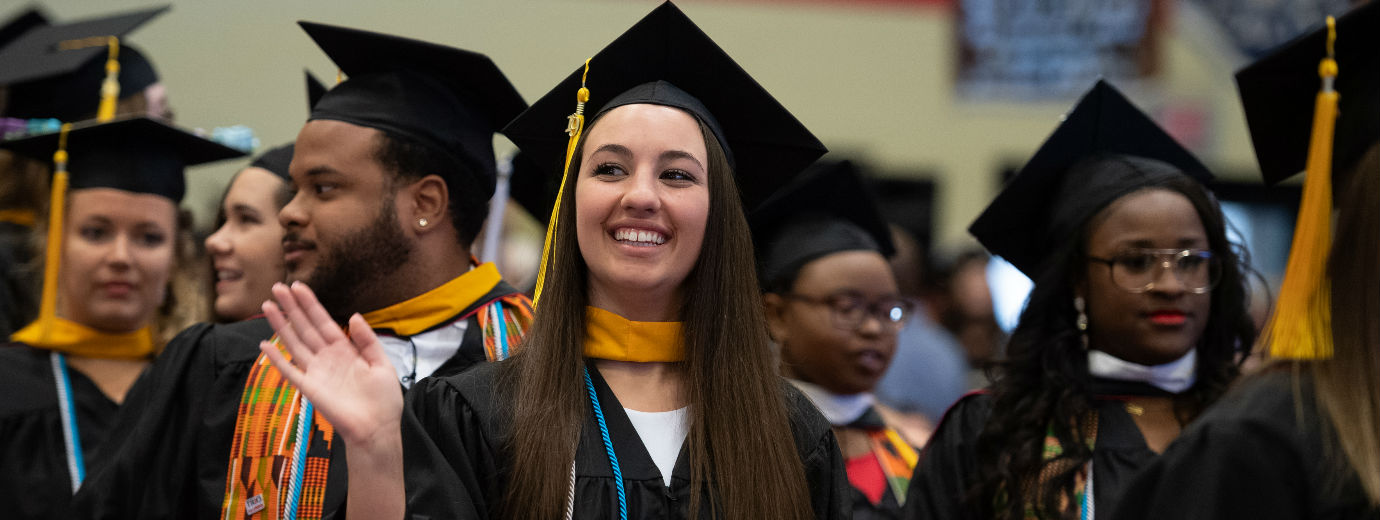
{"x":869,"y":80}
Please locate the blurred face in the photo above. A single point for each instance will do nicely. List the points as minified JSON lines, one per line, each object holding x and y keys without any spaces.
{"x":116,"y":259}
{"x":814,"y":348}
{"x":642,"y":201}
{"x":1159,"y":325}
{"x":341,"y":230}
{"x":247,"y":250}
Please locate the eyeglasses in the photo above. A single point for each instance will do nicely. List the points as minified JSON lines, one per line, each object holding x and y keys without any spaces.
{"x":848,"y":312}
{"x":1137,"y":270}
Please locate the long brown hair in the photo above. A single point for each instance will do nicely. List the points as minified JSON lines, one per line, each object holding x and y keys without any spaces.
{"x":1347,"y":386}
{"x":738,"y":428}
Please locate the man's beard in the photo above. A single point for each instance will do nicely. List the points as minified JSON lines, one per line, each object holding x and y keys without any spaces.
{"x":351,"y":273}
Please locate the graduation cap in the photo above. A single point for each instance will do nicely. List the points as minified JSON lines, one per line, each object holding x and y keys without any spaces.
{"x":138,"y":155}
{"x":1049,"y":198}
{"x":447,"y":99}
{"x":135,"y":154}
{"x":826,"y":210}
{"x":665,"y":59}
{"x":1322,"y":126}
{"x":315,"y":89}
{"x":17,"y":25}
{"x":57,"y":71}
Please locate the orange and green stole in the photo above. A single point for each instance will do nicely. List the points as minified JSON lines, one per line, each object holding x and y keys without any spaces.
{"x":1056,"y":464}
{"x":896,"y":457}
{"x":272,"y":472}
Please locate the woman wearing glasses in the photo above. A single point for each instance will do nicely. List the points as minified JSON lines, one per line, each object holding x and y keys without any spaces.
{"x":834,"y":309}
{"x":1134,"y":325}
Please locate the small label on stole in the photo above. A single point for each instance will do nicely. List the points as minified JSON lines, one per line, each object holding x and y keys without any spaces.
{"x":254,"y":504}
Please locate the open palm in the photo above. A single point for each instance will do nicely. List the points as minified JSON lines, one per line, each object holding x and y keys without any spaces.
{"x":347,"y":377}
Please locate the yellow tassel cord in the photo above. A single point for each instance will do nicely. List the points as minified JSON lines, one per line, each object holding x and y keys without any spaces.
{"x":574,"y":127}
{"x":47,"y":308}
{"x":110,"y":88}
{"x":1301,"y":326}
{"x":339,"y":76}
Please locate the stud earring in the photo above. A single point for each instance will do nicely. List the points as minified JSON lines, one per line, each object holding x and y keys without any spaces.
{"x":423,"y":222}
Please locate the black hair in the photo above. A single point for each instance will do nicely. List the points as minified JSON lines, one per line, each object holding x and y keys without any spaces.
{"x":1043,"y":385}
{"x":410,"y":160}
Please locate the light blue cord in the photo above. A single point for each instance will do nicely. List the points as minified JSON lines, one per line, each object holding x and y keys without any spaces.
{"x":76,"y":463}
{"x":608,"y":446}
{"x":299,"y":459}
{"x":502,"y":331}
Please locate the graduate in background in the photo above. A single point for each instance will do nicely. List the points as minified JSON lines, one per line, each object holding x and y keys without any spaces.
{"x":834,"y":309}
{"x":1301,"y":438}
{"x":1134,"y":326}
{"x":647,"y":388}
{"x":392,"y":174}
{"x":56,"y":72}
{"x":246,"y":248}
{"x":111,"y":245}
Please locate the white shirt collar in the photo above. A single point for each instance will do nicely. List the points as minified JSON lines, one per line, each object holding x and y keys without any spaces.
{"x":1174,"y":377}
{"x":840,"y":410}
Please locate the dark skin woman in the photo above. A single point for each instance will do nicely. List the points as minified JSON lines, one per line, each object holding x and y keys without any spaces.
{"x":1134,"y":326}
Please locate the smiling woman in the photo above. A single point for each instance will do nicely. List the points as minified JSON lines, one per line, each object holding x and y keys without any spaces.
{"x":246,"y":249}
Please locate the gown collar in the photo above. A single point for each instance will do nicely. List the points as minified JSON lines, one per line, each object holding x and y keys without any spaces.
{"x":615,"y":338}
{"x":437,"y":306}
{"x":839,"y":410}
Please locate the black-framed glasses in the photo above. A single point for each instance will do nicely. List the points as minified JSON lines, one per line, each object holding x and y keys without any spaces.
{"x":849,"y":311}
{"x":1137,"y":270}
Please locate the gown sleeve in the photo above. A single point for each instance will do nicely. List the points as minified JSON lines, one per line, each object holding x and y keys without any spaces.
{"x":948,"y":463}
{"x":450,"y":468}
{"x":830,"y":492}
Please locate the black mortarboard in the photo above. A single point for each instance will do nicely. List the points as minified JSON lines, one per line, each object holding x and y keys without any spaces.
{"x":315,"y":89}
{"x":826,"y":210}
{"x":665,"y":59}
{"x":1050,"y":198}
{"x":57,"y":71}
{"x":449,"y":100}
{"x":1278,"y":91}
{"x":276,"y":161}
{"x":138,"y":154}
{"x":28,"y":19}
{"x":533,"y":188}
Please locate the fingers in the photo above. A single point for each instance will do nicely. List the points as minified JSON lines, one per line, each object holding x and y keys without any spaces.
{"x":307,"y":331}
{"x":316,"y":313}
{"x":366,"y":341}
{"x":287,"y":335}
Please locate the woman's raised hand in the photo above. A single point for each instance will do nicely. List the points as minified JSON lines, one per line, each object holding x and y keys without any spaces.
{"x":347,"y":377}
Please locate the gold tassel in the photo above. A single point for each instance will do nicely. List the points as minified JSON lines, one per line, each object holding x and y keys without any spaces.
{"x":1301,"y":325}
{"x":574,"y":127}
{"x":47,"y":307}
{"x":110,"y":88}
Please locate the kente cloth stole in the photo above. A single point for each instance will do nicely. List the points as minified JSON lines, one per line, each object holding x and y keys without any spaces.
{"x":896,"y":457}
{"x":1054,"y":465}
{"x":267,"y":457}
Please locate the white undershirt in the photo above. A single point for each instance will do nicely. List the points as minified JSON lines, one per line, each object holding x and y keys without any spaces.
{"x":434,"y":348}
{"x":662,"y":433}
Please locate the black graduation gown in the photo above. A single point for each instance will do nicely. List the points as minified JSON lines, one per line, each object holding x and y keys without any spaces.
{"x":34,"y":481}
{"x":948,"y":464}
{"x":171,"y":442}
{"x":1257,"y":454}
{"x":454,"y":429}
